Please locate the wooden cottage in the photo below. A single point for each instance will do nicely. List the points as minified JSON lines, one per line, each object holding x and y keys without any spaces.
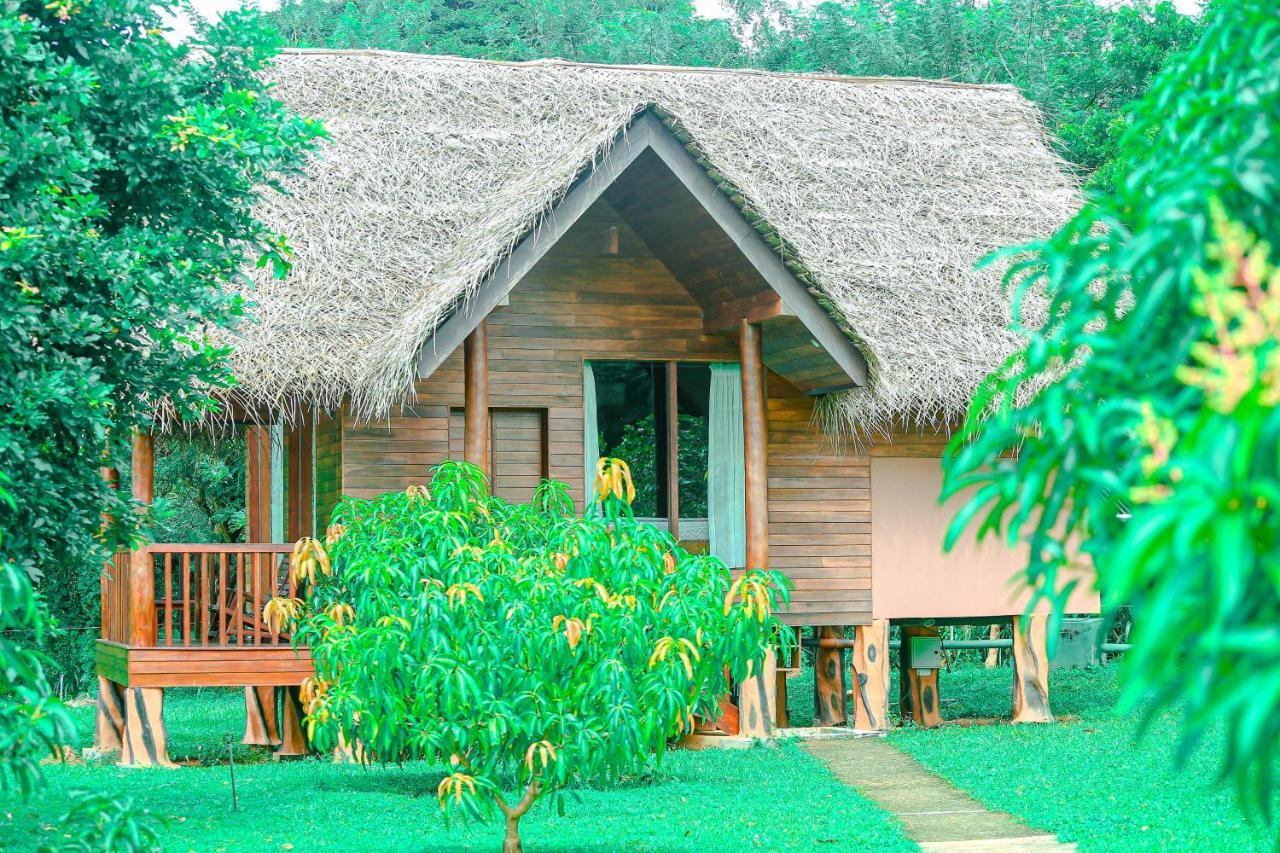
{"x":759,"y":287}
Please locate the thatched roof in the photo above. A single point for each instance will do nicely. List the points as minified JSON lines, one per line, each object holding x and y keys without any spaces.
{"x":886,"y":191}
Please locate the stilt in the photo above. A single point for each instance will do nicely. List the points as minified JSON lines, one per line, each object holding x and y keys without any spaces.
{"x":146,"y":740}
{"x":1031,"y":669}
{"x":347,"y":752}
{"x":108,"y":729}
{"x":260,"y":725}
{"x":871,"y":676}
{"x":828,"y":681}
{"x":782,"y":717}
{"x":475,"y":370}
{"x":293,"y":740}
{"x":758,"y":701}
{"x":918,"y":688}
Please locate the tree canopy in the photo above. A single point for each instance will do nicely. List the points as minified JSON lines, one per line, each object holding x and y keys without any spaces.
{"x":128,"y":171}
{"x":451,"y":626}
{"x":1139,"y":428}
{"x":1079,"y":60}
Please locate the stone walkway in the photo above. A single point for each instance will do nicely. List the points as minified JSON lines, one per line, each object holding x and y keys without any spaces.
{"x":935,"y":814}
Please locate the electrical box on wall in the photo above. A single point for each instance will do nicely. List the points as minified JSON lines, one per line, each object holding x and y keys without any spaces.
{"x":926,"y":652}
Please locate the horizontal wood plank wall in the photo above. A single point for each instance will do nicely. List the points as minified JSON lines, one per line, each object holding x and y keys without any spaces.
{"x":819,"y":514}
{"x":328,"y":441}
{"x":579,"y":302}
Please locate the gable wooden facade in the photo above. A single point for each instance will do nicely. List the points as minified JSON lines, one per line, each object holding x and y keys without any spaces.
{"x":580,"y":302}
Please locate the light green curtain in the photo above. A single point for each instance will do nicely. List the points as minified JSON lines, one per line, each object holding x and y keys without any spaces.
{"x":590,"y":428}
{"x":726,"y":477}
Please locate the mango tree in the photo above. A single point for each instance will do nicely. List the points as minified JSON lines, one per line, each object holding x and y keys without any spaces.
{"x":518,"y":644}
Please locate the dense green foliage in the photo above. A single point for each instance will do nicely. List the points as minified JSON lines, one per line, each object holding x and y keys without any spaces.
{"x":1087,"y":779}
{"x":1144,"y":413}
{"x":200,"y":494}
{"x":637,"y":447}
{"x":451,"y":626}
{"x":1081,"y":61}
{"x":664,"y":32}
{"x":716,"y":800}
{"x":127,"y":174}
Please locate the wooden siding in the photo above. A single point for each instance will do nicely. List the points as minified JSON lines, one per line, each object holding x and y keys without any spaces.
{"x":819,"y":514}
{"x":329,"y":472}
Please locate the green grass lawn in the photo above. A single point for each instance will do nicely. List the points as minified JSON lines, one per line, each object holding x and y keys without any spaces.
{"x":1085,"y":779}
{"x":769,"y":799}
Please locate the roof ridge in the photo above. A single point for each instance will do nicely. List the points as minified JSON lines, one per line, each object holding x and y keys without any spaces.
{"x":555,"y":62}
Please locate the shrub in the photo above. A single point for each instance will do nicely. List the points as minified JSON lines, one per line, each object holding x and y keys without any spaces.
{"x":449,"y":625}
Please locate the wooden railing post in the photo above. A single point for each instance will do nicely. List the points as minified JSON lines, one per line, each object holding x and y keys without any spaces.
{"x":142,"y":581}
{"x":475,"y":361}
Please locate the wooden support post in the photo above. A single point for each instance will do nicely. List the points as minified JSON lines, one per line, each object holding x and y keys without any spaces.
{"x":260,"y":725}
{"x":301,"y":495}
{"x":671,"y":410}
{"x":917,"y":688}
{"x":108,"y":729}
{"x":475,"y":443}
{"x":257,"y":483}
{"x":758,"y":708}
{"x":755,"y":444}
{"x":871,"y":676}
{"x":293,"y":740}
{"x":782,"y":717}
{"x":146,"y":740}
{"x":1031,"y":669}
{"x":142,"y":578}
{"x":828,"y":682}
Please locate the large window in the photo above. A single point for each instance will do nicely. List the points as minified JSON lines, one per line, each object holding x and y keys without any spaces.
{"x":635,"y":422}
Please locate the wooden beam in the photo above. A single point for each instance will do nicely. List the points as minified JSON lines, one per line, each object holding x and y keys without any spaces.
{"x":1031,"y":669}
{"x":476,"y":396}
{"x":142,"y":578}
{"x":673,"y":449}
{"x":756,"y":442}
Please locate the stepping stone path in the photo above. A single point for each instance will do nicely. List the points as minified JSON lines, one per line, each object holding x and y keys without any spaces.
{"x":935,"y":814}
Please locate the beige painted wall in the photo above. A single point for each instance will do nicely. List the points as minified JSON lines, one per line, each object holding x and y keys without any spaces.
{"x":913,"y":578}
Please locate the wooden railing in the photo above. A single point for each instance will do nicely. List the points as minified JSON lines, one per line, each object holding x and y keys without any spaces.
{"x":115,"y":598}
{"x":205,"y":595}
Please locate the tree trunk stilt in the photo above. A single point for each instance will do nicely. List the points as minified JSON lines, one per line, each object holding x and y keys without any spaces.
{"x":918,"y":688}
{"x":1031,"y":669}
{"x":758,"y":701}
{"x":347,"y":752}
{"x":293,"y":740}
{"x":108,"y":730}
{"x":828,"y":682}
{"x":260,"y":725}
{"x":146,"y":740}
{"x":993,"y":655}
{"x":871,"y":676}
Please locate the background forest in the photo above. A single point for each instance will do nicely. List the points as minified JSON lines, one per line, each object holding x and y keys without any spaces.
{"x":1082,"y":62}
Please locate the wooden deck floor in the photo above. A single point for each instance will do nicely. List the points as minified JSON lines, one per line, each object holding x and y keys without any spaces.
{"x":203,"y":666}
